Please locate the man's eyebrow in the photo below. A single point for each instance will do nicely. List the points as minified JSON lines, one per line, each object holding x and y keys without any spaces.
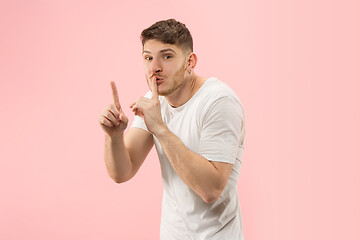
{"x":163,"y":50}
{"x":168,"y":49}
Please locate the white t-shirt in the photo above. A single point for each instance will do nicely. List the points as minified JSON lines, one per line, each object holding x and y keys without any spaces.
{"x":212,"y":125}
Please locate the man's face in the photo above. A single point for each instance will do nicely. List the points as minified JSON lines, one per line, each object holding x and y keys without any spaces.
{"x":165,"y":63}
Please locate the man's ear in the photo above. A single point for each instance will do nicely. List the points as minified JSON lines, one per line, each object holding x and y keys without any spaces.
{"x":191,"y":61}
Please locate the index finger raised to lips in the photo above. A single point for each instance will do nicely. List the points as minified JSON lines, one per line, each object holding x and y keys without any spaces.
{"x":154,"y":90}
{"x":115,"y":95}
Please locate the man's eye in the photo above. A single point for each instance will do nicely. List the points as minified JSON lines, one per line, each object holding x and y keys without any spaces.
{"x":168,"y":56}
{"x":148,"y":58}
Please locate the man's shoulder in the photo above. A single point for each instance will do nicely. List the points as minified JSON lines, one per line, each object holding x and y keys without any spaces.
{"x":215,"y":89}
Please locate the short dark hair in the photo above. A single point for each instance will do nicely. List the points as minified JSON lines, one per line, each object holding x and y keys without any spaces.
{"x":168,"y":31}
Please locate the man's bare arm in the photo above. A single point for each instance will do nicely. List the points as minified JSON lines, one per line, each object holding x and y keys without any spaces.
{"x":208,"y":179}
{"x":123,"y":154}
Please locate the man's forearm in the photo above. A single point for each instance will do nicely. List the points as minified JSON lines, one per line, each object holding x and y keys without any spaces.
{"x":117,"y":159}
{"x":196,"y":171}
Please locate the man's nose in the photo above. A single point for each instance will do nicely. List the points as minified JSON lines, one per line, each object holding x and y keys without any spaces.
{"x":156,"y":66}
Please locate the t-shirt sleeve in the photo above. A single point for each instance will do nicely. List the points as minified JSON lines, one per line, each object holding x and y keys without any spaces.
{"x":223,"y":131}
{"x":138,"y":121}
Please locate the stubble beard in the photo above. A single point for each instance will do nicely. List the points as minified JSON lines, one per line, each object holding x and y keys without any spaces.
{"x":178,"y":80}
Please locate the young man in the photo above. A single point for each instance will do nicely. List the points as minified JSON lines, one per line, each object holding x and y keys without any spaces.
{"x":197,"y":126}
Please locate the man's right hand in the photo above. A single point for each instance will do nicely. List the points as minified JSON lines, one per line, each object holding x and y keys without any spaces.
{"x":113,"y":120}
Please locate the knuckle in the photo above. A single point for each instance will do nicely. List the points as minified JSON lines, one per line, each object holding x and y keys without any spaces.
{"x":108,"y":123}
{"x":108,"y":114}
{"x":113,"y":108}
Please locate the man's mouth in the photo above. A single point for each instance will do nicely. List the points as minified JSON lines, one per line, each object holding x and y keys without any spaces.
{"x":158,"y":79}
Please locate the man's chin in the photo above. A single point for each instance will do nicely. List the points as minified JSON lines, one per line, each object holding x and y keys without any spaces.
{"x":161,"y":91}
{"x":164,"y":92}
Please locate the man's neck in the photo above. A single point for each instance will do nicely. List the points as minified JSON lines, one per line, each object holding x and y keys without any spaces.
{"x":186,"y":91}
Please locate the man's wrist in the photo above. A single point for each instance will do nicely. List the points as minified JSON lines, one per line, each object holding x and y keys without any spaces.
{"x":115,"y":138}
{"x":161,"y":131}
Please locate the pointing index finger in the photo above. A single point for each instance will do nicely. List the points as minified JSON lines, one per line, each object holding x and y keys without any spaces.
{"x":115,"y":95}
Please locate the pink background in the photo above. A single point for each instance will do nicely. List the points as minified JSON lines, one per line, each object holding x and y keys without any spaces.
{"x":294,"y":65}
